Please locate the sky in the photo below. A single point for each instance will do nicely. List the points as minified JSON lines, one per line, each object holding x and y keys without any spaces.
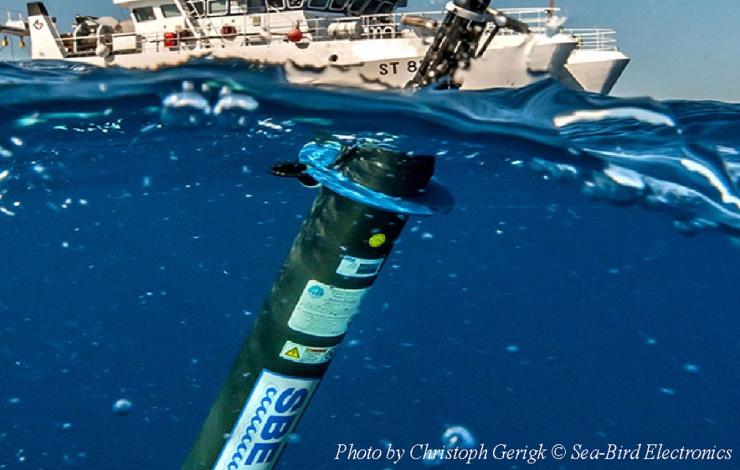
{"x":684,"y":49}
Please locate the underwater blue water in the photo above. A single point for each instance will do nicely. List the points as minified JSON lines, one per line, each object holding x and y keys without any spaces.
{"x":584,"y":289}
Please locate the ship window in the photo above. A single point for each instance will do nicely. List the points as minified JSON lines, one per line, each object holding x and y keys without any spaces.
{"x":238,"y":6}
{"x":144,"y":14}
{"x":200,"y":7}
{"x":218,"y":7}
{"x":276,"y":4}
{"x":170,"y":11}
{"x":295,"y":4}
{"x":358,"y":7}
{"x":255,"y":6}
{"x":339,"y":5}
{"x":386,"y":7}
{"x":318,"y":4}
{"x":372,"y":7}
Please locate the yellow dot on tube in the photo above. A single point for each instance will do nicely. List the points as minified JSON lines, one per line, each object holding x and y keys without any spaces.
{"x":378,"y":240}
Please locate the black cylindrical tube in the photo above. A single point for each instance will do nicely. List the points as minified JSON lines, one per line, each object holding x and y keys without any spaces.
{"x":454,"y":45}
{"x":333,"y":262}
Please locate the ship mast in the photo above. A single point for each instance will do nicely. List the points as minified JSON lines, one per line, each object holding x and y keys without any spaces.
{"x":550,"y":8}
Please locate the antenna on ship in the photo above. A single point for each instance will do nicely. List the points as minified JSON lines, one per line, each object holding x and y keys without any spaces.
{"x":550,"y":8}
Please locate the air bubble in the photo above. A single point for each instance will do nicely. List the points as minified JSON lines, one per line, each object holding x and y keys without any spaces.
{"x":458,"y":437}
{"x":186,"y":108}
{"x":122,"y":407}
{"x":235,"y":110}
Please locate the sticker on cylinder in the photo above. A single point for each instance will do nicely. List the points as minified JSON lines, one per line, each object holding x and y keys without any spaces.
{"x":377,"y":240}
{"x":325,"y":310}
{"x":359,"y":267}
{"x":303,"y":354}
{"x":269,"y":415}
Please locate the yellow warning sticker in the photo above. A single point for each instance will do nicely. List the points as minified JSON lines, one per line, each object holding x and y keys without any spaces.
{"x":303,"y":354}
{"x":294,"y":353}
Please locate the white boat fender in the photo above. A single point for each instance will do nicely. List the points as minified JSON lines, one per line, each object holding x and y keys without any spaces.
{"x":345,"y":30}
{"x":102,"y":51}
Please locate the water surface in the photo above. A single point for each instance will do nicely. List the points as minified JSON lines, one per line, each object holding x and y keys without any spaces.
{"x":583,"y":289}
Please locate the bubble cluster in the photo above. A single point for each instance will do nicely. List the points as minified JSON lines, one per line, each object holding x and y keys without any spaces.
{"x":190,"y":108}
{"x":234,"y":110}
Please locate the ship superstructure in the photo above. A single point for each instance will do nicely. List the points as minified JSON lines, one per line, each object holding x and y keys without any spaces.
{"x":345,"y":43}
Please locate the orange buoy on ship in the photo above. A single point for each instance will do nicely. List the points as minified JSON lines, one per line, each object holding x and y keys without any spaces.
{"x":229,"y":31}
{"x":294,"y":35}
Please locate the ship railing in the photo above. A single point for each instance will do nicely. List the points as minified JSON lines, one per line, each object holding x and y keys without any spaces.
{"x":594,"y":39}
{"x":534,"y":17}
{"x":371,"y":27}
{"x":385,"y":25}
{"x":14,"y":20}
{"x":11,"y":16}
{"x":376,"y":26}
{"x":132,"y":42}
{"x":87,"y":46}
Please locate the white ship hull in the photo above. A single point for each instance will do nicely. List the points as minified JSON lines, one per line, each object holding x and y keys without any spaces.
{"x":596,"y":71}
{"x":511,"y":61}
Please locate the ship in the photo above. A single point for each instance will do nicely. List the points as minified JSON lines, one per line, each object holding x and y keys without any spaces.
{"x":367,"y":44}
